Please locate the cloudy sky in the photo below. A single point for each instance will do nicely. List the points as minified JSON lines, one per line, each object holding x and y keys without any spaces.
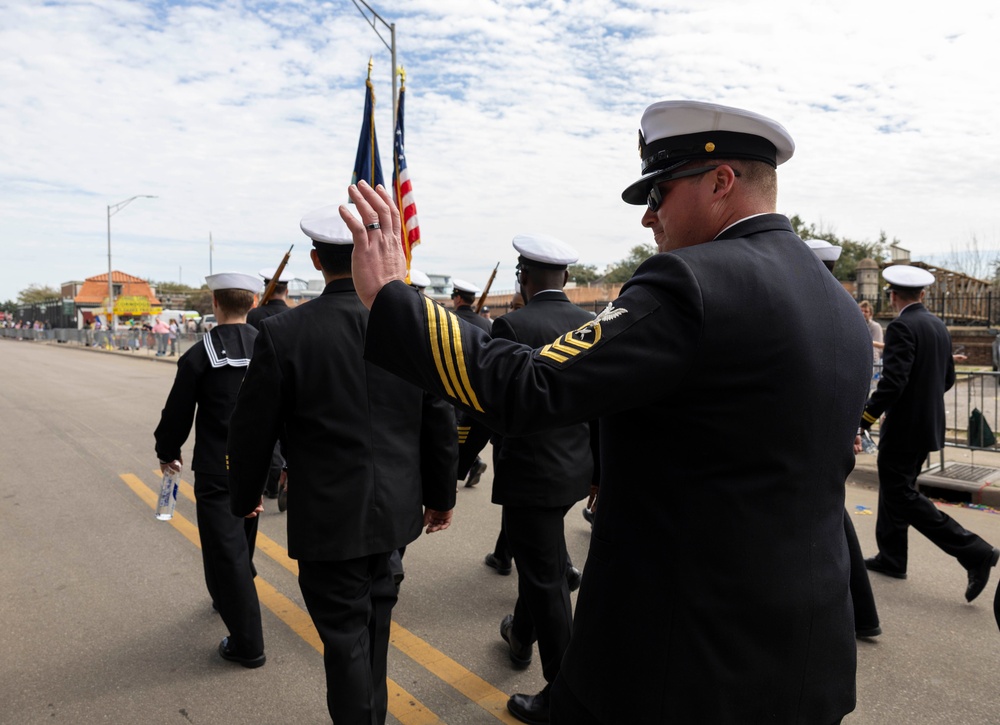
{"x":241,"y":116}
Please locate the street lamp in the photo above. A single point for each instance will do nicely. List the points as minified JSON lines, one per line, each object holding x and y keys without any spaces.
{"x":390,"y":46}
{"x":112,"y":210}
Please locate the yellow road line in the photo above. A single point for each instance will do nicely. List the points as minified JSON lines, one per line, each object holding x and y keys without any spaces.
{"x":475,"y":688}
{"x":264,"y":542}
{"x":468,"y":683}
{"x":402,"y":705}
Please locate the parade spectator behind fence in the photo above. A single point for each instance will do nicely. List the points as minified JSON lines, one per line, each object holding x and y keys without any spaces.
{"x":748,"y":620}
{"x":161,"y":330}
{"x":173,"y":332}
{"x":874,"y":328}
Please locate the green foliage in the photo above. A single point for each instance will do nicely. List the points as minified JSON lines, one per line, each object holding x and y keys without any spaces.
{"x":620,"y":271}
{"x":172,"y":288}
{"x":34,"y":293}
{"x":8,"y":306}
{"x":852,"y":251}
{"x":200,"y":300}
{"x":583,"y":273}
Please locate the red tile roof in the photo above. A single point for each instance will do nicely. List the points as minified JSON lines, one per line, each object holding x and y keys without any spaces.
{"x":95,"y":289}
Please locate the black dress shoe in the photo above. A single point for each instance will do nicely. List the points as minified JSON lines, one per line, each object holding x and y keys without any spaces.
{"x":867,"y":632}
{"x":573,"y":578}
{"x":533,"y":709}
{"x":978,"y":576}
{"x":519,"y":654}
{"x":875,"y":564}
{"x":494,"y":563}
{"x":249,"y":662}
{"x":475,"y":473}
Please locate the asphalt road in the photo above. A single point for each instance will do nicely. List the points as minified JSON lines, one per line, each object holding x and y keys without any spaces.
{"x":106,"y":618}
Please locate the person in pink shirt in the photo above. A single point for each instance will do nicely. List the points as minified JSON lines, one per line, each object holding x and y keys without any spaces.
{"x":161,"y":330}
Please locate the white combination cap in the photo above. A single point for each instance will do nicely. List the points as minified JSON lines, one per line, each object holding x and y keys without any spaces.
{"x":233,"y":280}
{"x":824,"y":250}
{"x":325,"y":225}
{"x":545,"y":250}
{"x":673,"y":133}
{"x":904,"y":276}
{"x":419,"y":279}
{"x":468,"y":288}
{"x":268,"y":275}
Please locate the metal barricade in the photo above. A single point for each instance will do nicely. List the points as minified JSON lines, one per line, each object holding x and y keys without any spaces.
{"x":134,"y":340}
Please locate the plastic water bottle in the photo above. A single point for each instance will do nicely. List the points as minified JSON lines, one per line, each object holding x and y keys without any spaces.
{"x":168,"y":494}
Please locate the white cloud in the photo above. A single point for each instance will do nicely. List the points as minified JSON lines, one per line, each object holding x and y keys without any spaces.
{"x":241,"y":116}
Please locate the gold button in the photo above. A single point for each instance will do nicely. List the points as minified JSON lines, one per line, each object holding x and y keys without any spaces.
{"x":710,"y":147}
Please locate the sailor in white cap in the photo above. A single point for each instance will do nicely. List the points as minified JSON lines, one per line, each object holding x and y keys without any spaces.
{"x":279,"y":297}
{"x":419,"y":280}
{"x":826,"y":252}
{"x":538,"y":478}
{"x":917,"y":370}
{"x":866,"y":619}
{"x":209,"y":375}
{"x":371,"y":461}
{"x":756,"y":612}
{"x":276,"y":486}
{"x":463,"y":297}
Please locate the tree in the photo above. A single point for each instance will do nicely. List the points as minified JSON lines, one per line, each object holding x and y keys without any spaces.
{"x":582,"y":273}
{"x":172,"y":288}
{"x":201,"y":301}
{"x":973,"y":260}
{"x":852,"y":251}
{"x":620,"y":271}
{"x":35,"y":293}
{"x":8,"y":306}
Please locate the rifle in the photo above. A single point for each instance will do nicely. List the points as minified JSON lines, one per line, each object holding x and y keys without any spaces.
{"x":269,"y":290}
{"x":486,"y":290}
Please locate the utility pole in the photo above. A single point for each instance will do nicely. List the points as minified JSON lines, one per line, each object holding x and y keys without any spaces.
{"x":391,"y":45}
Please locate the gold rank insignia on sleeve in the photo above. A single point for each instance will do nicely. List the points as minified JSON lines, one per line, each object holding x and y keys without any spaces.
{"x":445,"y":337}
{"x":869,"y":418}
{"x":463,"y":433}
{"x":581,"y":339}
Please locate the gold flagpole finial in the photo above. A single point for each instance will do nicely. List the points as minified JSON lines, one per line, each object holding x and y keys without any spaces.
{"x":370,"y":63}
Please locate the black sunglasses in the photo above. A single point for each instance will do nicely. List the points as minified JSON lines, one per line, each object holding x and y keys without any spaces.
{"x":655,"y":198}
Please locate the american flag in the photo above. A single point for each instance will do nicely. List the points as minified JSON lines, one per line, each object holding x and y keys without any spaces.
{"x":403,"y":189}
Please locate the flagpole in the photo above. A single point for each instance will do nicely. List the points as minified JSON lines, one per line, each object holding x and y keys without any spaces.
{"x":391,"y":46}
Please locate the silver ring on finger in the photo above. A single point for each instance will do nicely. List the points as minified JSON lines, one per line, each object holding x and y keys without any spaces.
{"x":373,"y":225}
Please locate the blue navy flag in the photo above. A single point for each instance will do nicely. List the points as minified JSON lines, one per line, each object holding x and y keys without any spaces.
{"x":367,"y":164}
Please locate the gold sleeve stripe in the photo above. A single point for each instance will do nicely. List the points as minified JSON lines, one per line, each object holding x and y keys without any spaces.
{"x":868,"y":417}
{"x":557,"y":345}
{"x":445,"y":336}
{"x":547,"y":352}
{"x":449,"y":327}
{"x":463,"y":369}
{"x":432,"y":331}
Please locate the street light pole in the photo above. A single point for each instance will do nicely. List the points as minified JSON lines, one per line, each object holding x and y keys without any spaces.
{"x":392,"y":47}
{"x":112,"y":210}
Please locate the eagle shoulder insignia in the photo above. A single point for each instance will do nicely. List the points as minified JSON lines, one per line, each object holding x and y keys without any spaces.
{"x":610,"y":313}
